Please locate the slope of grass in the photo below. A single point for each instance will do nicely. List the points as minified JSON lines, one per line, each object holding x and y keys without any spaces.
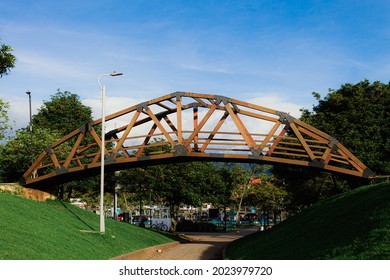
{"x":354,"y":225}
{"x":31,"y":230}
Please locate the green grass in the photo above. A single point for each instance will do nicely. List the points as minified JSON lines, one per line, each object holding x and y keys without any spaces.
{"x":54,"y":230}
{"x":350,"y":226}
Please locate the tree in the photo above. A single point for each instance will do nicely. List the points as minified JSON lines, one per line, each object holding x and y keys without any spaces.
{"x":224,"y":179}
{"x":15,"y":154}
{"x":252,"y":185}
{"x":7,"y":59}
{"x":241,"y":185}
{"x":171,"y":185}
{"x":5,"y":125}
{"x":239,"y":188}
{"x":188,"y":184}
{"x":56,"y":118}
{"x":63,"y":113}
{"x":140,"y":182}
{"x":357,"y":115}
{"x":267,"y":193}
{"x":308,"y":186}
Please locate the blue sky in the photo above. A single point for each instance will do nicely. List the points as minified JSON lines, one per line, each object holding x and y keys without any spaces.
{"x":274,"y":53}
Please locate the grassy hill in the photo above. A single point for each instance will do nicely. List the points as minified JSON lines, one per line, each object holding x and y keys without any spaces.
{"x":354,"y":225}
{"x":31,"y":230}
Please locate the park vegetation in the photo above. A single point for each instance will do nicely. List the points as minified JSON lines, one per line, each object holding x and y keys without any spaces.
{"x":357,"y":115}
{"x":349,"y":226}
{"x":7,"y":59}
{"x":58,"y":230}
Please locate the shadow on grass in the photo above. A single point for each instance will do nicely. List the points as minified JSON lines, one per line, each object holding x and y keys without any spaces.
{"x":74,"y":214}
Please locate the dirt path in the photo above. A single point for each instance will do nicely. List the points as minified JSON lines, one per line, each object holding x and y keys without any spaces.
{"x":204,"y":246}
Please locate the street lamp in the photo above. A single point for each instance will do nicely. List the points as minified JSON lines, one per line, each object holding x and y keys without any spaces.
{"x":103,"y":97}
{"x":117,"y":189}
{"x":31,"y":140}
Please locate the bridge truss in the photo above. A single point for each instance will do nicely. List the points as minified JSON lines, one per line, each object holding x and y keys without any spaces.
{"x":185,"y":126}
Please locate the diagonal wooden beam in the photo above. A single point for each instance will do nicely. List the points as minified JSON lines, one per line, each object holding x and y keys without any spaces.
{"x":147,"y":139}
{"x":277,"y":141}
{"x":270,"y":134}
{"x":123,"y":148}
{"x":200,"y":101}
{"x":164,"y":106}
{"x":157,"y":122}
{"x":327,"y":155}
{"x":351,"y":156}
{"x":66,"y":138}
{"x":126,"y":133}
{"x":170,"y":123}
{"x":241,"y":127}
{"x":179,"y":120}
{"x":253,"y":106}
{"x":258,"y":116}
{"x":215,"y":130}
{"x":313,"y":135}
{"x":74,"y":150}
{"x":351,"y":161}
{"x":302,"y":141}
{"x":54,"y":158}
{"x":199,"y":126}
{"x":195,"y":115}
{"x":99,"y":142}
{"x":35,"y":165}
{"x":311,"y":128}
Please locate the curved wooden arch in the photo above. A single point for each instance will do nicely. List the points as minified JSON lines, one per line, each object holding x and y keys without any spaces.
{"x":195,"y":127}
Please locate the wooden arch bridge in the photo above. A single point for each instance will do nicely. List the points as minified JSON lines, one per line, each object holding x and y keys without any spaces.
{"x":185,"y":126}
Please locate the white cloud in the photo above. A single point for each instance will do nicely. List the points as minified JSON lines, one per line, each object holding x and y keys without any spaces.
{"x":112,"y":105}
{"x":19,"y":110}
{"x":275,"y":102}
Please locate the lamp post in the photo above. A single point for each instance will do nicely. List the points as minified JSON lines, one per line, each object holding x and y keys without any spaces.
{"x":103,"y":97}
{"x":117,"y":188}
{"x":31,"y":140}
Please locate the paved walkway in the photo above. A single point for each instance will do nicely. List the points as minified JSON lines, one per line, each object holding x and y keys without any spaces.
{"x":203,"y":246}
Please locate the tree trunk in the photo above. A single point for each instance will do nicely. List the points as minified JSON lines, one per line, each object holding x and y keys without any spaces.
{"x":173,"y":212}
{"x":69,"y":193}
{"x":124,"y":197}
{"x":239,"y":207}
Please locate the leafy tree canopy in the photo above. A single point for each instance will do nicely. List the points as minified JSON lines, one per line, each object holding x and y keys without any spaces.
{"x":171,"y":184}
{"x":16,"y":153}
{"x":63,"y":113}
{"x":267,"y":193}
{"x":7,"y":59}
{"x":56,"y":118}
{"x":357,"y":115}
{"x":5,"y":125}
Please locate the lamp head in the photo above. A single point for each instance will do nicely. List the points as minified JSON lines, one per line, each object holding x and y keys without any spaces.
{"x":116,"y":74}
